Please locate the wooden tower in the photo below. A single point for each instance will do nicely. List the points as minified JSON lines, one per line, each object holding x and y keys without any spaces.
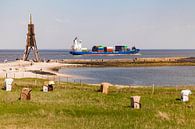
{"x":31,"y":43}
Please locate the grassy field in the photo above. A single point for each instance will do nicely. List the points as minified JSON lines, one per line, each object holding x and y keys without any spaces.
{"x":76,"y":106}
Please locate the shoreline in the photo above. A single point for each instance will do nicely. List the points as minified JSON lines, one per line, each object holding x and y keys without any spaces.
{"x":28,"y":69}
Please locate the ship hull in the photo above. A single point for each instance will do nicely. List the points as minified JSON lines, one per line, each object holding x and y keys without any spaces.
{"x":105,"y":53}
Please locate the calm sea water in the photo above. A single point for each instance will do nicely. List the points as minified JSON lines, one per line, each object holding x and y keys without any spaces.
{"x":12,"y":55}
{"x":129,"y":76}
{"x":163,"y":76}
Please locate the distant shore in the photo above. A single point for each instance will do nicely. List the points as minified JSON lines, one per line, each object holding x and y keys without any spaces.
{"x":136,"y":62}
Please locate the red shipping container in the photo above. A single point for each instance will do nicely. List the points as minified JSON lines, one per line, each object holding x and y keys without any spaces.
{"x":109,"y":50}
{"x":100,"y":50}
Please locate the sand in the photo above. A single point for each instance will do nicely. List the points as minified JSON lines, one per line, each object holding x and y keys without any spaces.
{"x":27,"y":69}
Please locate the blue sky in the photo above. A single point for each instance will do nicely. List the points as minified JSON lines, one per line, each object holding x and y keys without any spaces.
{"x":148,"y":24}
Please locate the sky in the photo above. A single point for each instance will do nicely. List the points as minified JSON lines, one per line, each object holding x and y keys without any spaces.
{"x":146,"y":24}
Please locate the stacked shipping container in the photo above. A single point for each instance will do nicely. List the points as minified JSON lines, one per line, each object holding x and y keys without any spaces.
{"x":109,"y":49}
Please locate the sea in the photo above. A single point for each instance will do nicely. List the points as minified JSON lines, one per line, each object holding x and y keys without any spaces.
{"x":12,"y":55}
{"x":161,"y":76}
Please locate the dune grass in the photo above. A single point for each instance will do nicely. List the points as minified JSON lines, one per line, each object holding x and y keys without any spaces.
{"x":75,"y":106}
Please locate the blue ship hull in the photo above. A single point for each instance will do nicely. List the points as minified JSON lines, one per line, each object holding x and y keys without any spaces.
{"x":105,"y":53}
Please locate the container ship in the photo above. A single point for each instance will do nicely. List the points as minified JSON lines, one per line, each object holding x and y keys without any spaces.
{"x":101,"y":50}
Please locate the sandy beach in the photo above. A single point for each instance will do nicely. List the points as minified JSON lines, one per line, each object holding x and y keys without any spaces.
{"x":27,"y":69}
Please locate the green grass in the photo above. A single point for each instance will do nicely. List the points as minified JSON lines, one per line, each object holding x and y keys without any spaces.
{"x":75,"y":106}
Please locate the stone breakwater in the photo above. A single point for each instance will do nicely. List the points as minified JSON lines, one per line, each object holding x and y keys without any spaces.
{"x":168,"y":61}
